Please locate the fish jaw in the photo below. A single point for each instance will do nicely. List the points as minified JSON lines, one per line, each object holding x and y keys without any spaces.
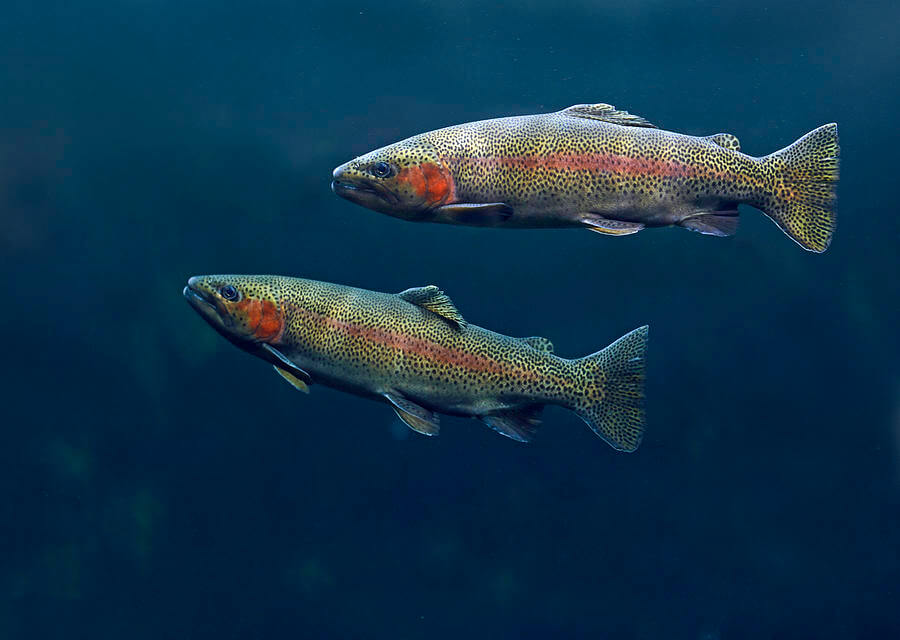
{"x":351,"y":183}
{"x":202,"y":302}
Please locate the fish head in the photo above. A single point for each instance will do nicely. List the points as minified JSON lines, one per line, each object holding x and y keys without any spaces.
{"x":406,"y":180}
{"x":247,"y":310}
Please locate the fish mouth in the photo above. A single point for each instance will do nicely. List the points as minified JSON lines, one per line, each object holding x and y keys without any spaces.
{"x":204,"y":303}
{"x":342,"y":186}
{"x":363,"y":192}
{"x":200,"y":301}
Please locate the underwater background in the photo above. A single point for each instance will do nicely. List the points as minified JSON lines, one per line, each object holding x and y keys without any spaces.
{"x":159,"y":483}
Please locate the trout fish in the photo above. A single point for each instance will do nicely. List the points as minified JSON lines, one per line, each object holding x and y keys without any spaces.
{"x":414,"y":351}
{"x":599,"y":168}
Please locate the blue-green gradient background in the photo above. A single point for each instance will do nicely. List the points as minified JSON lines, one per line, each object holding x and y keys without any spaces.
{"x":155,"y":482}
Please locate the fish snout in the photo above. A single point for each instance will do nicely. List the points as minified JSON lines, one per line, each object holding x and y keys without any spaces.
{"x":351,"y":184}
{"x":342,"y":179}
{"x":198,"y":297}
{"x":198,"y":287}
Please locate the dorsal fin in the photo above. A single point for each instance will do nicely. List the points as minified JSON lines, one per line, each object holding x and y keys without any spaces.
{"x":726,"y":140}
{"x":539,"y":343}
{"x":607,"y":113}
{"x":436,"y":301}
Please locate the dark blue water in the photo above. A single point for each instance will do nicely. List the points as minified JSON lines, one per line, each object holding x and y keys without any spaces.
{"x":158,"y":483}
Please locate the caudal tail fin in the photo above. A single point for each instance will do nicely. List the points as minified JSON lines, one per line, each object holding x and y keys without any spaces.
{"x":611,"y":394}
{"x":802,"y":179}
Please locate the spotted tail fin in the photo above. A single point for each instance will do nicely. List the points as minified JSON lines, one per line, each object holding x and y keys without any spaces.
{"x":803,"y":179}
{"x":611,"y":399}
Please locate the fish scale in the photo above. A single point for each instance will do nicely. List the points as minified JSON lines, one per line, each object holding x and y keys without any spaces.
{"x":384,"y":335}
{"x":562,"y":163}
{"x":596,"y":167}
{"x":415,"y":351}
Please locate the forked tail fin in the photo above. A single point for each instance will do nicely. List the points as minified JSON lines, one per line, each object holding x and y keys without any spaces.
{"x":802,"y":181}
{"x":611,"y":394}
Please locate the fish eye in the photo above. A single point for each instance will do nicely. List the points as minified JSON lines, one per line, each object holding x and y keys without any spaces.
{"x":228,"y":292}
{"x":381,"y":170}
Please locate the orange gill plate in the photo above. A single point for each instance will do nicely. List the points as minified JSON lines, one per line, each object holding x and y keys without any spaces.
{"x":430,"y":182}
{"x":264,"y":318}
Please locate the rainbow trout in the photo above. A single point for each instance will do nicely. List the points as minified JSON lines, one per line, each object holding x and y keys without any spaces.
{"x":415,"y":351}
{"x":596,"y":167}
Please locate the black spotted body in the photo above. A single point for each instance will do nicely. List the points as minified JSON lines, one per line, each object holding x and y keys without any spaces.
{"x":553,"y":169}
{"x":415,"y":350}
{"x":596,"y":167}
{"x":371,"y":343}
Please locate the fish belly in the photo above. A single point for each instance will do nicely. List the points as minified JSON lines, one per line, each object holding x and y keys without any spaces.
{"x":454,"y":393}
{"x":452,"y":399}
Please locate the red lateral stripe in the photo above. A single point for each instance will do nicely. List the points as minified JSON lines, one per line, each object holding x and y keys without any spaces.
{"x":425,"y":349}
{"x":613,"y":163}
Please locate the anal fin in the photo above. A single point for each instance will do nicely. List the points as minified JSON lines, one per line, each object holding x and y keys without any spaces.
{"x":609,"y":226}
{"x":416,"y":417}
{"x":715,"y":223}
{"x":518,"y":424}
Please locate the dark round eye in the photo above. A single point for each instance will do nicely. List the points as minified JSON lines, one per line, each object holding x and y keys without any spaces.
{"x":382,"y":170}
{"x":228,"y":292}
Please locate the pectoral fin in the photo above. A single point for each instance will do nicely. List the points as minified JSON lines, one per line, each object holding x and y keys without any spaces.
{"x":520,"y":425}
{"x":416,"y":417}
{"x":718,"y":223}
{"x":293,"y":380}
{"x":479,"y":215}
{"x":609,"y":226}
{"x":286,"y":364}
